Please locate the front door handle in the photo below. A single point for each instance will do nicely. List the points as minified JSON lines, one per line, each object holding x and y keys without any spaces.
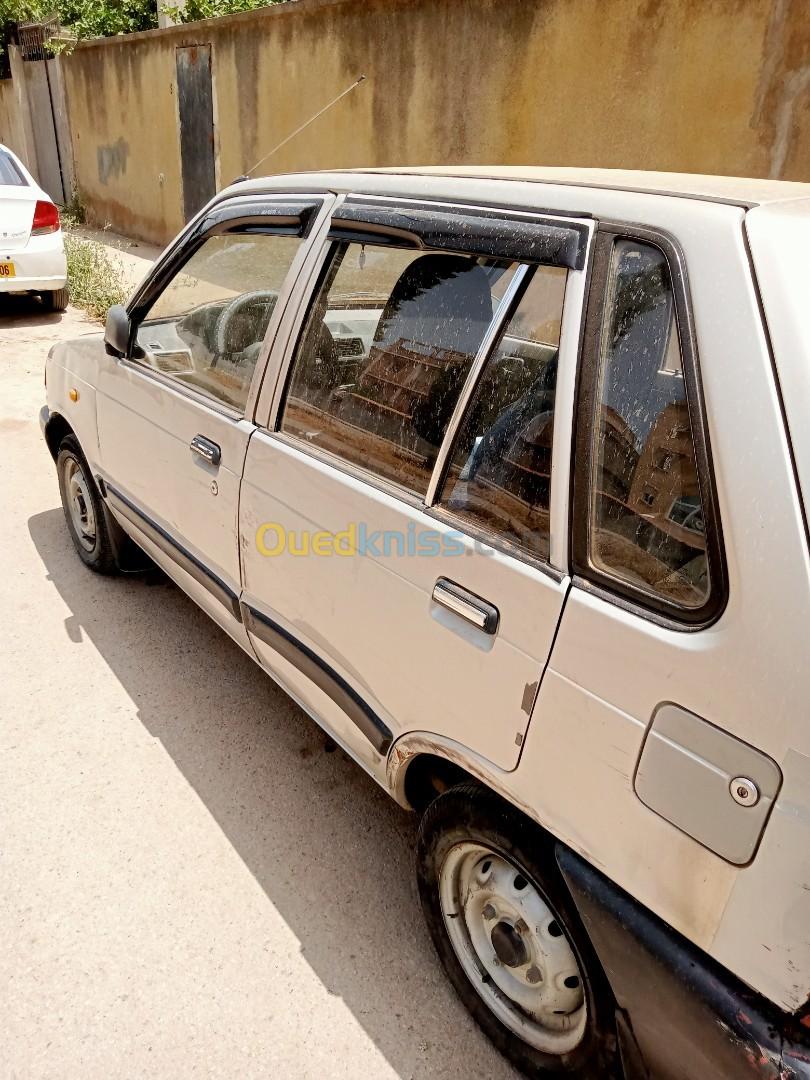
{"x":483,"y":615}
{"x":208,"y":451}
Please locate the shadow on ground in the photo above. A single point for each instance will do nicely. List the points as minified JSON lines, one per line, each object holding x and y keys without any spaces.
{"x":332,"y":852}
{"x":26,"y":311}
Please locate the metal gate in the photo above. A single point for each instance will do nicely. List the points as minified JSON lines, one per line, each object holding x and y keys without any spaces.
{"x":196,"y":106}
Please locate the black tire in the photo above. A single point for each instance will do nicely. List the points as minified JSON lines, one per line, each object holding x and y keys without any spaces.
{"x":96,"y":552}
{"x":471,"y":813}
{"x":56,"y":299}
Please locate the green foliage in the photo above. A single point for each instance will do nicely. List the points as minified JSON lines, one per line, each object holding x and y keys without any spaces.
{"x":211,"y":9}
{"x":22,"y":10}
{"x":96,"y":281}
{"x":84,"y":18}
{"x":73,"y":212}
{"x":104,"y":18}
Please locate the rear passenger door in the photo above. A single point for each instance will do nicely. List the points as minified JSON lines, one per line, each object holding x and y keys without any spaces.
{"x":401,"y":505}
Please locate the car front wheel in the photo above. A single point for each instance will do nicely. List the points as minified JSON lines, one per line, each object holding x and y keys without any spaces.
{"x":83,"y":509}
{"x":510,"y":938}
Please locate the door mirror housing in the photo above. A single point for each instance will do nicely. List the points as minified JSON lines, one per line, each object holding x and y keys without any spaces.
{"x":117,"y":331}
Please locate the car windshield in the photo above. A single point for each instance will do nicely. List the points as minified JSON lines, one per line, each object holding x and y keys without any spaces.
{"x":9,"y":173}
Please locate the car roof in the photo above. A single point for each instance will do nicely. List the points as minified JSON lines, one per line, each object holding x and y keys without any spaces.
{"x":732,"y":189}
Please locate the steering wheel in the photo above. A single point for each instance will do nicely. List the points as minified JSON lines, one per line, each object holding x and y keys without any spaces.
{"x":239,"y":304}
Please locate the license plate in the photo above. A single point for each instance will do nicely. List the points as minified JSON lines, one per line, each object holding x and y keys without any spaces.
{"x":7,"y":270}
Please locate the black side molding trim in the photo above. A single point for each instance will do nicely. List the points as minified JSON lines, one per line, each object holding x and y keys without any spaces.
{"x":169,"y":546}
{"x":322,"y":674}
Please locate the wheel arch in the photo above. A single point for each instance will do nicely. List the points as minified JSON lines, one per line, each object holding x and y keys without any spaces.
{"x":426,"y":776}
{"x":128,"y":555}
{"x":422,"y":765}
{"x":56,"y":429}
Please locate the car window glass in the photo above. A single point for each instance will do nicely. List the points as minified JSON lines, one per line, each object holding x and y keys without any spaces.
{"x":387,"y":345}
{"x":207,"y":327}
{"x":499,"y":476}
{"x":9,"y":173}
{"x":646,"y":519}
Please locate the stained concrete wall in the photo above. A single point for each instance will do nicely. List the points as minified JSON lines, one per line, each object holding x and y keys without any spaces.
{"x":16,"y":128}
{"x":691,"y":85}
{"x":11,"y":134}
{"x":34,"y":122}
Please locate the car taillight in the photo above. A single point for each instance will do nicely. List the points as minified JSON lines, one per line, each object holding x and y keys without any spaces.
{"x":46,"y":218}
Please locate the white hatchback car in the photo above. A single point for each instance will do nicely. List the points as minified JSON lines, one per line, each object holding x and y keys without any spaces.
{"x":501,"y":473}
{"x":32,"y":249}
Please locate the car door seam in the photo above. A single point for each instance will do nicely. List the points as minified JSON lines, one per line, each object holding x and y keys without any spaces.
{"x":530,"y":717}
{"x":321,"y":673}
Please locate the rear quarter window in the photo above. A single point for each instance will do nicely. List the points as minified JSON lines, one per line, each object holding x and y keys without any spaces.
{"x":650,"y":531}
{"x":10,"y":174}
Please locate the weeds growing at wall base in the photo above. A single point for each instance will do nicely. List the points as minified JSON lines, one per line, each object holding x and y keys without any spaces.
{"x":95,"y":280}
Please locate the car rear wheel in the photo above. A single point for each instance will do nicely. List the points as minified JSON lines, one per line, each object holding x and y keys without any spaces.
{"x":510,"y":938}
{"x":56,"y":299}
{"x":84,"y":512}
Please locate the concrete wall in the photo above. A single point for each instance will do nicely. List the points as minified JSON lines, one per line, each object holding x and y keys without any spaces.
{"x":126,"y":148}
{"x":16,"y":128}
{"x":691,"y":85}
{"x":11,"y":134}
{"x":34,"y":122}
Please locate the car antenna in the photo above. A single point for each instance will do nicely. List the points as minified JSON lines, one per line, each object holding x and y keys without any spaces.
{"x":298,"y":130}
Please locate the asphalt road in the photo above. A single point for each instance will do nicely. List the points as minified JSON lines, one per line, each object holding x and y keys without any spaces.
{"x":193,"y":881}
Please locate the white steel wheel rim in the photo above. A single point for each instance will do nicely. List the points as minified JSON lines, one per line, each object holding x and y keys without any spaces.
{"x":512,"y":948}
{"x":80,"y":504}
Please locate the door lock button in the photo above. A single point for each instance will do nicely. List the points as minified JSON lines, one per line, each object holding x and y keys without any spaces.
{"x":744,"y":791}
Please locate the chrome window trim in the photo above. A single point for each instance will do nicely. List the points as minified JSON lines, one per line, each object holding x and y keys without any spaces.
{"x":489,"y":339}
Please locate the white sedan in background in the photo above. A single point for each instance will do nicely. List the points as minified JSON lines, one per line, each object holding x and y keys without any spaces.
{"x":32,"y":251}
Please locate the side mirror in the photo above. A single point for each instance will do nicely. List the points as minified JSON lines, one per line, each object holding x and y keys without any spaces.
{"x":117,"y":331}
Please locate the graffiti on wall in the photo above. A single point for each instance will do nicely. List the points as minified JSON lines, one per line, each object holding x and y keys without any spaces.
{"x":112,"y":160}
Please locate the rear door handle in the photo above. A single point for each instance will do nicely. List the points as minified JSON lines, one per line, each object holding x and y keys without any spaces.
{"x":207,"y":450}
{"x":483,"y":615}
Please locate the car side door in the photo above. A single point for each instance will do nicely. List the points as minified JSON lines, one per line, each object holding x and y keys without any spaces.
{"x":398,"y":504}
{"x":174,"y":415}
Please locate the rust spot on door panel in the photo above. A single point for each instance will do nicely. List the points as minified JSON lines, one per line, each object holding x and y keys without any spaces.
{"x":529,"y":694}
